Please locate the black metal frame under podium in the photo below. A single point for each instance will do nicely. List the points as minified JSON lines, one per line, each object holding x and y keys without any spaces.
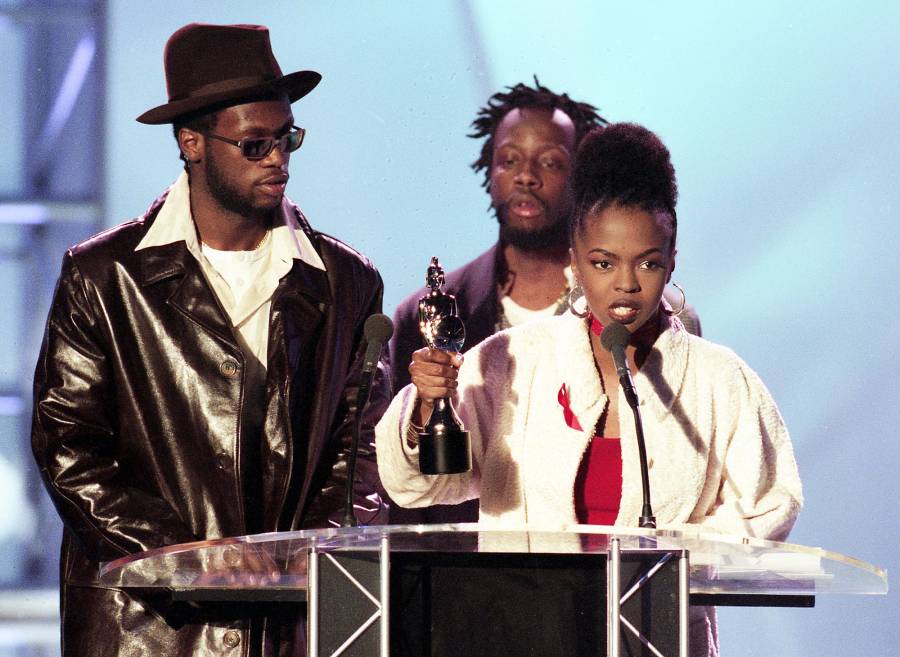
{"x":441,"y":590}
{"x":438,"y":603}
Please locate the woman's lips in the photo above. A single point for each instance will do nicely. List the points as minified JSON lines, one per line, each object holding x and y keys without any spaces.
{"x":623,"y":313}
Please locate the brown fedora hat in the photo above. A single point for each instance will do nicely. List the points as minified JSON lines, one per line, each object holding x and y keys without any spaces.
{"x":208,"y":65}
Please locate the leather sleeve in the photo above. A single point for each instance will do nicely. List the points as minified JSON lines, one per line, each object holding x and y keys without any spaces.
{"x":368,"y":496}
{"x":75,"y":437}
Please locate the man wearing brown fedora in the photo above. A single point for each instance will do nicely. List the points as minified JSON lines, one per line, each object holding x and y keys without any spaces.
{"x":200,"y":365}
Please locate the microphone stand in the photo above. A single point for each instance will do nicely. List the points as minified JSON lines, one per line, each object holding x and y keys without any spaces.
{"x":377,"y":331}
{"x":614,"y":338}
{"x":362,"y":398}
{"x":647,"y":519}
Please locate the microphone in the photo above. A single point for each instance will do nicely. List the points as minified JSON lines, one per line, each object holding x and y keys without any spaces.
{"x":614,"y":338}
{"x":377,"y":330}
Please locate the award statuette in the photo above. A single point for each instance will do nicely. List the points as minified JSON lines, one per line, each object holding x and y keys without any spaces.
{"x":444,"y":446}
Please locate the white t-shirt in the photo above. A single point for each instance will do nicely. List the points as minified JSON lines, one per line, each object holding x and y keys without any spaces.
{"x":516,"y":314}
{"x":244,"y":281}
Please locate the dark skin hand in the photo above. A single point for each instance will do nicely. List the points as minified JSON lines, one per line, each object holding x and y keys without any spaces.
{"x":434,"y":373}
{"x":245,"y":564}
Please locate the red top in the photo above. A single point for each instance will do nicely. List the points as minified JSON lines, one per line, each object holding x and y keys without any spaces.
{"x":598,"y":487}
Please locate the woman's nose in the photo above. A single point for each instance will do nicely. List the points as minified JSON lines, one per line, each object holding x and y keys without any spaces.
{"x":627,"y":281}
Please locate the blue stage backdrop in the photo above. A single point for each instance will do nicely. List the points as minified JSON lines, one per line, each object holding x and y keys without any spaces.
{"x":782,"y":119}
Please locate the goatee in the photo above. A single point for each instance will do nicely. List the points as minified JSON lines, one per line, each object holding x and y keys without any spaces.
{"x":232,"y":200}
{"x":534,"y":239}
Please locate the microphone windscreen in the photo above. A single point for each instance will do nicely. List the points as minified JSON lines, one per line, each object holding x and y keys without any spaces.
{"x":378,"y":328}
{"x":614,"y":335}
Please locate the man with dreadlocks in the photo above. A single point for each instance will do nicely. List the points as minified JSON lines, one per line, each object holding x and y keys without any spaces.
{"x":531,"y":135}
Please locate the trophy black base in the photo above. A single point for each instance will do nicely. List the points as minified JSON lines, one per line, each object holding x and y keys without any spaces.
{"x":445,"y":452}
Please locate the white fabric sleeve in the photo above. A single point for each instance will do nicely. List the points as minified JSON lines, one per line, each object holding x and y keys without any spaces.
{"x":398,"y":463}
{"x":760,"y":493}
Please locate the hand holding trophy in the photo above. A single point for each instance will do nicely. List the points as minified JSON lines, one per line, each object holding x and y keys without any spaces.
{"x":444,"y":445}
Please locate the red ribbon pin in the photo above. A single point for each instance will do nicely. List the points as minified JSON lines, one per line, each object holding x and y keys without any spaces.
{"x":563,"y":398}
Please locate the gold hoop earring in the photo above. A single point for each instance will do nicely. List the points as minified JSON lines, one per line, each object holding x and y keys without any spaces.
{"x":576,"y":295}
{"x":672,"y":311}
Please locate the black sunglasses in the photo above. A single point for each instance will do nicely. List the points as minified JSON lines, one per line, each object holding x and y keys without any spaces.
{"x":260,"y":147}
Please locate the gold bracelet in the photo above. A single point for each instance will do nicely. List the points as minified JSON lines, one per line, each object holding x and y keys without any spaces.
{"x":412,"y":434}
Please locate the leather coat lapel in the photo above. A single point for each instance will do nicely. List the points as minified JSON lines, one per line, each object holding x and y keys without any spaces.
{"x":298,"y":311}
{"x":193,"y":295}
{"x":298,"y":306}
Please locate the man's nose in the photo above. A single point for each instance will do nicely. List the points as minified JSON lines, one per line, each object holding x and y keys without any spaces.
{"x":276,"y":158}
{"x":527,"y":176}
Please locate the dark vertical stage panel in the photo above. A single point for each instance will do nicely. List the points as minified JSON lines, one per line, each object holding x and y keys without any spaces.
{"x":343,"y":607}
{"x":496,"y":605}
{"x":522,"y":605}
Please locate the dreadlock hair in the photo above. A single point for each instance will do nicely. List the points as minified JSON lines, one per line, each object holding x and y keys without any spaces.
{"x":583,"y":115}
{"x":623,"y":164}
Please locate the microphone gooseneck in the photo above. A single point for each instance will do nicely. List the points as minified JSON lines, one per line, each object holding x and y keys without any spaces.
{"x":377,"y":331}
{"x":614,"y":338}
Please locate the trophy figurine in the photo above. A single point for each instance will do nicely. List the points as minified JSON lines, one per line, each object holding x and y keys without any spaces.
{"x":444,"y":446}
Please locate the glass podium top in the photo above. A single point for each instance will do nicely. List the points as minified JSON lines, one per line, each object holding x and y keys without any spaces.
{"x":719,"y":564}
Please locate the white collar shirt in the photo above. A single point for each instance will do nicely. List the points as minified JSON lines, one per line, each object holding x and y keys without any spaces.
{"x":249,"y":306}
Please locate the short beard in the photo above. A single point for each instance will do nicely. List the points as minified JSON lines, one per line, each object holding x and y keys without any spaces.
{"x":549,"y":237}
{"x":230,"y":199}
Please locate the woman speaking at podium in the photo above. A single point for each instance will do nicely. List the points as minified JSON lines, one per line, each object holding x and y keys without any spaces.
{"x":553,"y":441}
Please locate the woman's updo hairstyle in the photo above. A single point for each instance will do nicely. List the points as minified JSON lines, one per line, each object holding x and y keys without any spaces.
{"x":623,"y":164}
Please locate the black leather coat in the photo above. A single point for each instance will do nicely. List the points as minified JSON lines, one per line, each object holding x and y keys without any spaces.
{"x":139,"y":402}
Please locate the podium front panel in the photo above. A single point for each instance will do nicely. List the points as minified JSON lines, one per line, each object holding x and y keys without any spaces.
{"x":509,"y":605}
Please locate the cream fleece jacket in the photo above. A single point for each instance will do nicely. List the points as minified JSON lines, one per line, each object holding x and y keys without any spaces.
{"x":719,"y":453}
